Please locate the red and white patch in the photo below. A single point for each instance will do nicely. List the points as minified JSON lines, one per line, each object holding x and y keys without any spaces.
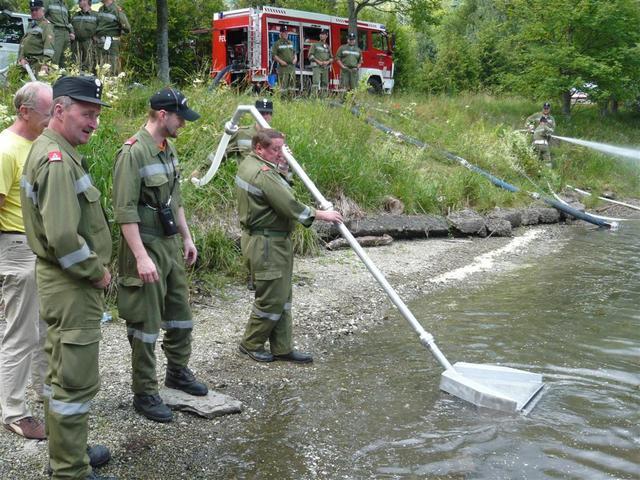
{"x":265,"y":168}
{"x":55,"y":156}
{"x":131,"y":141}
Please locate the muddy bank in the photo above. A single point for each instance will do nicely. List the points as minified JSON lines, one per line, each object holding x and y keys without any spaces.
{"x":335,"y":302}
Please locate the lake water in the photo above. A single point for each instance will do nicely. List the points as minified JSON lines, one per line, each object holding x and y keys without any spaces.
{"x":374,"y":409}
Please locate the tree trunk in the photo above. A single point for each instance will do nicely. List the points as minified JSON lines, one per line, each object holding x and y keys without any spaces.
{"x":604,"y":107}
{"x":353,"y":16}
{"x":566,"y":102}
{"x":615,"y":105}
{"x":162,"y":38}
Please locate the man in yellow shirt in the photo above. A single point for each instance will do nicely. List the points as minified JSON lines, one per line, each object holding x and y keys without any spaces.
{"x":22,"y":348}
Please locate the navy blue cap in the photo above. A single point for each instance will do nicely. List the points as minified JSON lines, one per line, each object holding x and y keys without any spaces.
{"x":352,"y":36}
{"x":83,"y":89}
{"x":264,"y":106}
{"x":34,"y":4}
{"x":546,"y":105}
{"x":172,"y":100}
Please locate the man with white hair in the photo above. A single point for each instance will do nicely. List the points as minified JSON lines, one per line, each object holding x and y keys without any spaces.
{"x":22,"y":347}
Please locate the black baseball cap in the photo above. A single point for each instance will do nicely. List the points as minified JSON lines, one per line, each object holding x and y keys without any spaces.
{"x":173,"y":100}
{"x":546,"y":105}
{"x":324,"y":32}
{"x":264,"y":106}
{"x":283,"y":28}
{"x":34,"y":4}
{"x":352,"y":36}
{"x":83,"y":89}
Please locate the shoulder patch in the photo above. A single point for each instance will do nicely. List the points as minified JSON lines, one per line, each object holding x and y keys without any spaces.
{"x":131,"y":141}
{"x":265,"y":168}
{"x":55,"y":156}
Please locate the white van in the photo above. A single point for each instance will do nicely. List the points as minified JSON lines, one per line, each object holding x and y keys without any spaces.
{"x":13,"y":25}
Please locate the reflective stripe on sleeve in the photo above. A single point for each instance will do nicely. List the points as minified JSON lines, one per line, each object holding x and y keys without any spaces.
{"x":143,"y":337}
{"x":48,"y":52}
{"x":274,"y":317}
{"x":305,"y":215}
{"x":67,"y":408}
{"x":83,"y":183}
{"x":244,"y":143}
{"x":46,"y":391}
{"x":109,"y":16}
{"x":72,"y":258}
{"x":248,"y":187}
{"x":36,"y":30}
{"x":28,"y":190}
{"x":58,"y":8}
{"x":155,"y":169}
{"x":176,"y":324}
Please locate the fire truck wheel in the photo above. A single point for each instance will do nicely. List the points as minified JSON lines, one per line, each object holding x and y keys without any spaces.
{"x":375,"y":85}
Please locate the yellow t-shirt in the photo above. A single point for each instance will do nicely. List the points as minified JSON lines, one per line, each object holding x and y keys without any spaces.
{"x":13,"y":154}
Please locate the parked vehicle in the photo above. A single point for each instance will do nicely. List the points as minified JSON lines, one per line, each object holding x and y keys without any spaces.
{"x":242,"y":40}
{"x":13,"y":26}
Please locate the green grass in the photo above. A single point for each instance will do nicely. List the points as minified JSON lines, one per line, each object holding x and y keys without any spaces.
{"x":344,"y":155}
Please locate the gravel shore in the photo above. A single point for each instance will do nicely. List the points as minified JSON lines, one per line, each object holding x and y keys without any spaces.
{"x":335,"y":300}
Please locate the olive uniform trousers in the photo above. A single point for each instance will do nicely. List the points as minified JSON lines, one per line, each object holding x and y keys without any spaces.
{"x":270,"y":261}
{"x":72,"y":310}
{"x":147,"y":307}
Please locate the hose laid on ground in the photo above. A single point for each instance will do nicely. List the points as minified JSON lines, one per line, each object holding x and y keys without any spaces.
{"x":219,"y":75}
{"x":587,"y":194}
{"x":493,"y":179}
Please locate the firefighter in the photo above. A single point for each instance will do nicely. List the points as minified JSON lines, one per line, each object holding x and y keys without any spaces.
{"x":36,"y":48}
{"x":240,"y":143}
{"x":153,"y":291}
{"x":85,"y":23}
{"x":542,"y":125}
{"x":112,"y":24}
{"x":67,"y":230}
{"x":532,"y":121}
{"x":268,"y":213}
{"x":349,"y":58}
{"x":321,"y":59}
{"x":57,"y":13}
{"x":283,"y":52}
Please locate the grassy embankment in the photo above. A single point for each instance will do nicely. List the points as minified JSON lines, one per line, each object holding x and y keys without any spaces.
{"x":344,"y":155}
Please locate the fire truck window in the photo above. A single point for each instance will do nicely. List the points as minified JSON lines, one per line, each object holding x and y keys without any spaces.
{"x":310,"y":35}
{"x":379,"y":41}
{"x":362,"y":38}
{"x":11,"y":30}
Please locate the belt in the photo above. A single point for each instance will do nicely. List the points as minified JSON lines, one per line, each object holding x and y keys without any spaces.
{"x":269,"y":233}
{"x":11,"y":232}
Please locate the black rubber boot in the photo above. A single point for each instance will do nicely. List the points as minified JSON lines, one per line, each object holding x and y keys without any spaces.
{"x":295,"y":357}
{"x":257,"y":355}
{"x":181,"y":378}
{"x":152,"y":407}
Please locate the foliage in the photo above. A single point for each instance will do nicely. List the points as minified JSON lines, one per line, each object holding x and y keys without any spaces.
{"x":188,"y":52}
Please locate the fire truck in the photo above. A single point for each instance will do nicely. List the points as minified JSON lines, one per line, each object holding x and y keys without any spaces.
{"x":242,"y":40}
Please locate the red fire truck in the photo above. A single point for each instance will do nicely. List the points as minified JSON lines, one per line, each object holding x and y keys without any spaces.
{"x":242,"y":39}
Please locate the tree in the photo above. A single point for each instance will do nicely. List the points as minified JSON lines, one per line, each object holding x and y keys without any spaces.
{"x":162,"y":9}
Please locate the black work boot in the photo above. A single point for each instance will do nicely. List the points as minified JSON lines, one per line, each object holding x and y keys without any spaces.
{"x":99,"y":455}
{"x":93,"y":476}
{"x":181,"y":378}
{"x":295,"y":357}
{"x":152,"y":407}
{"x":257,"y":355}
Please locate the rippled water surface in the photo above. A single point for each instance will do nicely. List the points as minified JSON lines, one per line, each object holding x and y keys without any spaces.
{"x":373,"y":410}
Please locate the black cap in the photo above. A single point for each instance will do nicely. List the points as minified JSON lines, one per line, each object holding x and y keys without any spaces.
{"x":546,"y":105}
{"x":83,"y":89}
{"x":352,"y":36}
{"x":326,"y":32}
{"x":264,"y":106}
{"x":283,"y":28}
{"x":172,"y":100}
{"x":33,"y":4}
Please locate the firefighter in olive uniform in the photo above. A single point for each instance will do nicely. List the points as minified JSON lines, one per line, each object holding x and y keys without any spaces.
{"x":153,"y":290}
{"x":36,"y":48}
{"x":284,"y":53}
{"x":112,"y":24}
{"x":85,"y":23}
{"x":268,"y":212}
{"x":321,"y":59}
{"x":67,"y":230}
{"x":542,"y":125}
{"x":240,"y":143}
{"x":349,"y":58}
{"x":57,"y":13}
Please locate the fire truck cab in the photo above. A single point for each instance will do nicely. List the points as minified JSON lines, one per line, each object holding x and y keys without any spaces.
{"x":242,"y":40}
